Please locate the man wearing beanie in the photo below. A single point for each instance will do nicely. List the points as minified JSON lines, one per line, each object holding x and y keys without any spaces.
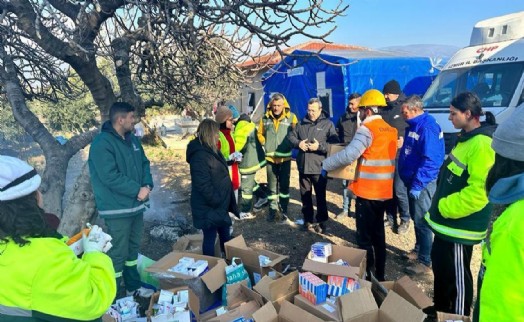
{"x":393,"y":116}
{"x":42,"y":278}
{"x":501,"y":297}
{"x":121,"y":180}
{"x":272,"y":133}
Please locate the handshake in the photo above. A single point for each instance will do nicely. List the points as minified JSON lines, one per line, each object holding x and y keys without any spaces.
{"x":95,"y":240}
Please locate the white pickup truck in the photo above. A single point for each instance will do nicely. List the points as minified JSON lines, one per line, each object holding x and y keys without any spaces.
{"x":492,"y":66}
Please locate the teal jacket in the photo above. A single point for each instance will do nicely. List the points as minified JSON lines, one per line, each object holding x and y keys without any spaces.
{"x":460,"y":211}
{"x":118,"y":168}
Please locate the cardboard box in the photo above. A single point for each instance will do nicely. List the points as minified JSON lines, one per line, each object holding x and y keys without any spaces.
{"x":406,"y":288}
{"x":205,"y":287}
{"x":193,"y":303}
{"x":444,"y":317}
{"x":242,"y":302}
{"x":355,"y":257}
{"x":360,"y":306}
{"x":278,"y":290}
{"x":348,"y":172}
{"x":288,"y":313}
{"x":193,"y":244}
{"x":237,"y":247}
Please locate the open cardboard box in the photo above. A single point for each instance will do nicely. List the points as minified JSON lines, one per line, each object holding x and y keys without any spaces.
{"x":282,"y":288}
{"x":355,"y":257}
{"x":406,"y":288}
{"x":237,"y":247}
{"x":203,"y":286}
{"x":288,"y":313}
{"x":242,"y":302}
{"x":360,"y":306}
{"x":444,"y":317}
{"x":193,"y":303}
{"x":193,"y":244}
{"x":348,"y":172}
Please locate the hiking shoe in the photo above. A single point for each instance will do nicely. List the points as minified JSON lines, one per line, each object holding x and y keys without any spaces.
{"x":418,"y":269}
{"x":141,"y":292}
{"x":306,"y":227}
{"x":403,"y":227}
{"x":321,"y":228}
{"x":412,"y":256}
{"x":261,"y":203}
{"x":246,"y":216}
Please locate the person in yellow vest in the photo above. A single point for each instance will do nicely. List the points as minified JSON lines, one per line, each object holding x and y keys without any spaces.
{"x":501,"y":297}
{"x":42,"y":279}
{"x":375,"y":145}
{"x":460,"y":211}
{"x":272,"y":133}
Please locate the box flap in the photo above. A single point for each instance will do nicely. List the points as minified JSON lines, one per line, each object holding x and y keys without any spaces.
{"x":292,"y":313}
{"x":356,"y":258}
{"x":245,"y":310}
{"x":214,"y":278}
{"x":273,"y":290}
{"x":396,"y":309}
{"x":266,"y":313}
{"x":409,"y":290}
{"x":323,"y":311}
{"x":237,"y":242}
{"x":239,"y":293}
{"x":357,"y":303}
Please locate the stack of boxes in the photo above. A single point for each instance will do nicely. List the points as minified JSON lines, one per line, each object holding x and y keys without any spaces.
{"x":188,"y":266}
{"x":312,"y":288}
{"x":339,"y":285}
{"x":171,"y":306}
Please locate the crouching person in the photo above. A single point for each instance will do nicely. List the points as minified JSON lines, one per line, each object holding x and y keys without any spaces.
{"x":42,"y":279}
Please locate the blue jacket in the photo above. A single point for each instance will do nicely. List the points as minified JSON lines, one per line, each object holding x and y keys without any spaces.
{"x":422,"y":154}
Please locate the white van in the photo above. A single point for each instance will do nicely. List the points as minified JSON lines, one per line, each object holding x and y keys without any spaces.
{"x":491,"y":66}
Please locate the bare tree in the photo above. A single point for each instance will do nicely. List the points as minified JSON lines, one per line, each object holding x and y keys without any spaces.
{"x":177,"y":51}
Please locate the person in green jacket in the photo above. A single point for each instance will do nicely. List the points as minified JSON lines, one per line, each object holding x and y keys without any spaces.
{"x":501,"y":296}
{"x":121,"y":180}
{"x":459,"y":213}
{"x":42,"y":279}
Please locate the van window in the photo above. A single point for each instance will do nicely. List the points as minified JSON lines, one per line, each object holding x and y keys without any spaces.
{"x":494,"y":84}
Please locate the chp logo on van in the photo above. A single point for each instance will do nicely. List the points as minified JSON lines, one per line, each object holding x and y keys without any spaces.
{"x":483,"y":55}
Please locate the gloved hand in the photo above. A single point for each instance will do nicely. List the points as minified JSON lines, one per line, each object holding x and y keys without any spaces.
{"x":415,"y":194}
{"x":323,"y":173}
{"x":96,"y":241}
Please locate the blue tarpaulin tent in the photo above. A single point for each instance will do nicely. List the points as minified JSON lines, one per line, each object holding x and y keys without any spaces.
{"x":302,"y":76}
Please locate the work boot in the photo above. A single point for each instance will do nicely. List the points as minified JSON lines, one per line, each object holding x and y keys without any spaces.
{"x":412,"y":256}
{"x":321,"y":228}
{"x":283,"y":217}
{"x":306,"y":227}
{"x":271,"y":215}
{"x":403,"y":227}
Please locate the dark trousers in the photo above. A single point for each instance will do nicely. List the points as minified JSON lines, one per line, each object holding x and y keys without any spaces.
{"x":371,"y":235}
{"x":210,"y":236}
{"x":247,"y":185}
{"x":308,"y":182}
{"x":127,"y":235}
{"x":278,"y":183}
{"x":399,"y":203}
{"x":453,"y":286}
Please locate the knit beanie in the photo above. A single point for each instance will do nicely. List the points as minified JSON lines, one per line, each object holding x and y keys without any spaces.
{"x":17,"y":178}
{"x":235,"y":112}
{"x":391,"y":87}
{"x":508,"y":139}
{"x":223,"y":113}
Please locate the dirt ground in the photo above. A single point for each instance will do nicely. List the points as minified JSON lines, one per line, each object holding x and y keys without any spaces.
{"x":285,"y":238}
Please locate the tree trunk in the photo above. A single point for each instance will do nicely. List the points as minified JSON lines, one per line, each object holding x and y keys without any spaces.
{"x":80,"y":206}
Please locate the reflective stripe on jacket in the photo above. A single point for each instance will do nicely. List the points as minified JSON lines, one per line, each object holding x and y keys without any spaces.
{"x":253,"y":157}
{"x":376,"y":168}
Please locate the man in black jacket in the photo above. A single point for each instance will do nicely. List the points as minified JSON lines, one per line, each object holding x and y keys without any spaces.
{"x":393,"y":116}
{"x":311,"y":136}
{"x":346,"y":128}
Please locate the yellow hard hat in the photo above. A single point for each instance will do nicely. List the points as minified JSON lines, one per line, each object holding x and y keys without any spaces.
{"x":373,"y":97}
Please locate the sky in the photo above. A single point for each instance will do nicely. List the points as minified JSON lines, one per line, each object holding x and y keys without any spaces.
{"x":383,"y":23}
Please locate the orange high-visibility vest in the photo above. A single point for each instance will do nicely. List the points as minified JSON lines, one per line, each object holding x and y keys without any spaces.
{"x":376,"y":168}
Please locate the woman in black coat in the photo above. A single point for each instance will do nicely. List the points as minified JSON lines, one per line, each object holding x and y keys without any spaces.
{"x":212,"y":195}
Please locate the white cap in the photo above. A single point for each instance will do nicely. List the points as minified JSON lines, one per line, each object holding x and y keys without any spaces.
{"x":17,"y":178}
